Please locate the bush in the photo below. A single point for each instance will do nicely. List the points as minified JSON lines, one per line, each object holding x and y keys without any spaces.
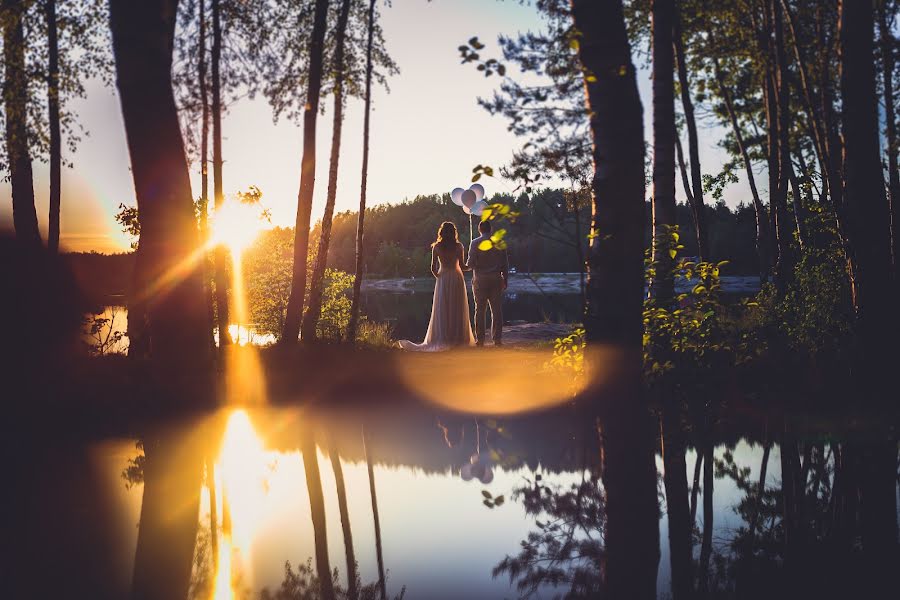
{"x":379,"y":335}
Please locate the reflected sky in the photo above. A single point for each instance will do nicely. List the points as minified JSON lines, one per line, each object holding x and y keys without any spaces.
{"x":440,"y":540}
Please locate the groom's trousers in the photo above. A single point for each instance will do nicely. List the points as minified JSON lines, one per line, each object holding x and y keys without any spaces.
{"x":488,"y":291}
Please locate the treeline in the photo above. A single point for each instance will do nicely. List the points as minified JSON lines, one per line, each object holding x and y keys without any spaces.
{"x":541,"y":239}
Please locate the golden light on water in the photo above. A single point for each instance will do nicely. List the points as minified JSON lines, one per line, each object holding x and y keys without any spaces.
{"x":241,"y":470}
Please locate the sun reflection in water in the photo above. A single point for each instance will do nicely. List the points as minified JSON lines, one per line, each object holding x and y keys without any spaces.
{"x":242,"y":470}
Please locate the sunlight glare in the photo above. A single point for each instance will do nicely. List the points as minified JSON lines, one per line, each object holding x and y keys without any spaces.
{"x":244,"y":468}
{"x":236,"y":226}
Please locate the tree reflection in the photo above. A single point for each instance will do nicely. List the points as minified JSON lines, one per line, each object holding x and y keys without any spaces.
{"x":567,"y":549}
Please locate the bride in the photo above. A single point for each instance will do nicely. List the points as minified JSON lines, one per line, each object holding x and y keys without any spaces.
{"x":449,"y":325}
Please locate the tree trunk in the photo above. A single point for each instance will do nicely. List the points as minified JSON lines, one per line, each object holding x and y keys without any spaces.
{"x":213,"y":510}
{"x":662,"y":286}
{"x":317,"y":510}
{"x":221,"y":254}
{"x":360,"y":219}
{"x":15,"y":101}
{"x":317,"y":282}
{"x":878,"y":513}
{"x":613,"y":316}
{"x":864,"y":218}
{"x":708,"y":486}
{"x":352,"y":574}
{"x":888,"y":42}
{"x":53,"y":118}
{"x":697,"y":206}
{"x":783,"y":267}
{"x":762,"y":228}
{"x":307,"y":177}
{"x":208,"y":291}
{"x":675,"y":480}
{"x":695,"y":486}
{"x":167,"y":270}
{"x":167,"y":529}
{"x":800,"y":226}
{"x":382,"y":583}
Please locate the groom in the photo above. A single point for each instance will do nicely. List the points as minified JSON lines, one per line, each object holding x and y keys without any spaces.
{"x":490,"y":276}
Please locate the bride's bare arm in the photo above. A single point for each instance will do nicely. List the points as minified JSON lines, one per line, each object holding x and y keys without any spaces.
{"x":434,"y":262}
{"x":462,"y":258}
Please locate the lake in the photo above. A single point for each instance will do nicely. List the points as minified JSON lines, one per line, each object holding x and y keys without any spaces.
{"x":458,"y":496}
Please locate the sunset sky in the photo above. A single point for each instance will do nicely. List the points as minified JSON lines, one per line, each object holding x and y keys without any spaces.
{"x":427,"y":133}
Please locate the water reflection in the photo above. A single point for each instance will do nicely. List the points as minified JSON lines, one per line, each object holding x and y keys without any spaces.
{"x":279,"y":503}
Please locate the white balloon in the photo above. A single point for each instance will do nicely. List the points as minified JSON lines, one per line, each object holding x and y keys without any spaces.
{"x":467,"y":210}
{"x":456,"y":196}
{"x":479,"y":207}
{"x":469,"y":198}
{"x":478,"y":189}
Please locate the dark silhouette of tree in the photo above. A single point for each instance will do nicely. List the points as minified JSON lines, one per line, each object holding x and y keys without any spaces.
{"x":864,"y":215}
{"x":887,"y":12}
{"x":360,"y":218}
{"x":681,"y":526}
{"x":53,"y":117}
{"x":317,"y":510}
{"x":694,"y":190}
{"x":220,"y":253}
{"x":367,"y":448}
{"x":314,"y":307}
{"x":15,"y":106}
{"x":167,"y":533}
{"x":614,"y":316}
{"x":307,"y":177}
{"x":352,"y":573}
{"x":167,"y":273}
{"x":567,"y":548}
{"x":662,"y":16}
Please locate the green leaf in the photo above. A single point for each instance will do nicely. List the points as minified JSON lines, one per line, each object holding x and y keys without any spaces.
{"x":486,"y":494}
{"x":485,"y":245}
{"x":499,"y":500}
{"x":672,"y":253}
{"x":476,"y":177}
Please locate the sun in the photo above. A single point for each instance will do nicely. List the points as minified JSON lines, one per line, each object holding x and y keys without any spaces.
{"x":235,"y":225}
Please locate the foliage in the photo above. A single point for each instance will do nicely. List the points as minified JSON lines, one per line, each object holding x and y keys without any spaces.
{"x":268,"y":268}
{"x":102,"y":335}
{"x":302,"y":583}
{"x":568,"y":356}
{"x":567,"y":548}
{"x":378,"y":335}
{"x":691,"y":339}
{"x":813,"y":318}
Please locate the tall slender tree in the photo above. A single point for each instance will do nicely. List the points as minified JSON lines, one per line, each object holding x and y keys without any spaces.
{"x":314,"y":308}
{"x":886,"y":15}
{"x":677,"y":507}
{"x":360,"y":223}
{"x":307,"y":176}
{"x":663,"y":15}
{"x":695,"y":194}
{"x":367,"y":448}
{"x":15,"y":105}
{"x":349,"y":554}
{"x":53,"y":118}
{"x":317,"y":510}
{"x":221,"y":257}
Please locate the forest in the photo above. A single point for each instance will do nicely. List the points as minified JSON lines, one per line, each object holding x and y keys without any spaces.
{"x":661,"y":363}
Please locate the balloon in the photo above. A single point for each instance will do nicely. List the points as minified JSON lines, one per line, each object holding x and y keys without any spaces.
{"x":478,"y":189}
{"x":469,"y":198}
{"x":456,"y":196}
{"x":479,"y":207}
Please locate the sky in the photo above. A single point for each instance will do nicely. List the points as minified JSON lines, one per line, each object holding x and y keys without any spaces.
{"x":427,"y":133}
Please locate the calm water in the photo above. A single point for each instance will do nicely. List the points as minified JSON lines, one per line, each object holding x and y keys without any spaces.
{"x":456,"y":495}
{"x":407,"y":312}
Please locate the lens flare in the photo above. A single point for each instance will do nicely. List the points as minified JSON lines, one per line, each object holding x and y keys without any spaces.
{"x":236,"y":226}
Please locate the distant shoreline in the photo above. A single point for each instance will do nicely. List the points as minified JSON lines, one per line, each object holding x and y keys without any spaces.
{"x":547,"y":283}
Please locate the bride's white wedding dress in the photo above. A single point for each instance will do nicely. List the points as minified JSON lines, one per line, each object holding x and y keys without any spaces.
{"x":450,"y":325}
